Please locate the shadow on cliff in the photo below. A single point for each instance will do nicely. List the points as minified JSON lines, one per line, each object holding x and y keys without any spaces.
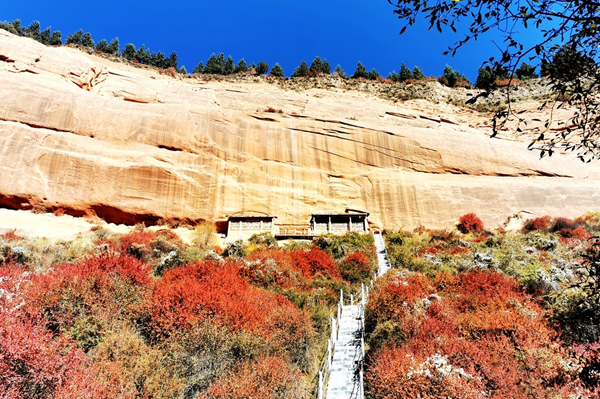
{"x":108,"y":213}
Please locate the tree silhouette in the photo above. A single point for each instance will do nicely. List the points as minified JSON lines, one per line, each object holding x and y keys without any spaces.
{"x":418,"y":73}
{"x":229,"y":68}
{"x":241,"y":66}
{"x":199,"y":68}
{"x":405,"y":73}
{"x":277,"y":71}
{"x":574,"y":24}
{"x":301,"y":71}
{"x":262,"y":68}
{"x":360,"y":72}
{"x":113,"y":47}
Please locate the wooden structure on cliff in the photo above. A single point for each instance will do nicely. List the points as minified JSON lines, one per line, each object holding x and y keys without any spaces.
{"x":245,"y":226}
{"x":328,"y":223}
{"x":339,"y":223}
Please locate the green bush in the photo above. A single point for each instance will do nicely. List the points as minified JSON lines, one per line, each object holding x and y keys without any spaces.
{"x":360,"y":72}
{"x":277,"y":71}
{"x":301,"y":71}
{"x":235,"y":249}
{"x":262,"y":68}
{"x":339,"y":246}
{"x":263,"y":240}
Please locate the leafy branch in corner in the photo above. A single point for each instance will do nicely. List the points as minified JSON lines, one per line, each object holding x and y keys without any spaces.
{"x":567,"y":54}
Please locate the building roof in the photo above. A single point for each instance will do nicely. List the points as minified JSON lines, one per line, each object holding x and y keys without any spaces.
{"x":340,"y":214}
{"x":251,"y":216}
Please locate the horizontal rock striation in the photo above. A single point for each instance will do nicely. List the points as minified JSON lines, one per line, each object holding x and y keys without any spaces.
{"x":127,"y":144}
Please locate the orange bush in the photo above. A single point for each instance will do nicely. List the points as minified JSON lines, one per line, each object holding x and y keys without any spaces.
{"x":271,"y":267}
{"x":458,"y":250}
{"x":579,"y":233}
{"x":356,"y":267}
{"x":470,"y":223}
{"x":315,"y":261}
{"x":563,"y":224}
{"x":104,"y":288}
{"x":35,"y":365}
{"x":506,"y":82}
{"x":137,"y":244}
{"x":428,"y":251}
{"x":9,"y":235}
{"x":186,"y":296}
{"x":480,"y":333}
{"x":541,"y":223}
{"x":270,"y":377}
{"x":386,"y":301}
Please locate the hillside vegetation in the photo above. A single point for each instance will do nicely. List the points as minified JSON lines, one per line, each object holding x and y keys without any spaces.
{"x":465,"y":313}
{"x":144,"y":315}
{"x":476,"y":314}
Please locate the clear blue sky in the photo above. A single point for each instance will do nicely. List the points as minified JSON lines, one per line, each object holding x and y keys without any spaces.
{"x":284,"y":31}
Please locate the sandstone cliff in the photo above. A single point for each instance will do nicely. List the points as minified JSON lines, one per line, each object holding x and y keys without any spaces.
{"x":93,"y":136}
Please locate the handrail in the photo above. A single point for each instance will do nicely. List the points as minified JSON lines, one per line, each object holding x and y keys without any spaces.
{"x":363,"y":295}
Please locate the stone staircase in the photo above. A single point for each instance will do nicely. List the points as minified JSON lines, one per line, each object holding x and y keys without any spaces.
{"x":382,"y":257}
{"x":345,"y":377}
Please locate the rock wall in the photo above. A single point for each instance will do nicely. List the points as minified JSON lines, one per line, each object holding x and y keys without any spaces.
{"x":92,"y":136}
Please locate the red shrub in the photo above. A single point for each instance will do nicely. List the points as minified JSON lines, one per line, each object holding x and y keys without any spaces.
{"x":589,"y":356}
{"x":271,"y":377}
{"x":541,"y":223}
{"x":393,"y":297}
{"x":563,"y":224}
{"x":470,"y":223}
{"x":430,"y":251}
{"x":271,"y":266}
{"x":188,"y":295}
{"x":579,"y":233}
{"x":137,"y":244}
{"x":359,"y":260}
{"x":105,"y":286}
{"x":458,"y":250}
{"x":481,"y":334}
{"x":589,"y":219}
{"x":356,"y":267}
{"x":34,"y":365}
{"x":315,"y":261}
{"x":9,"y":235}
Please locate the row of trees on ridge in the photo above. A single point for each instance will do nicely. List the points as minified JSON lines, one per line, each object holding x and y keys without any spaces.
{"x":219,"y":65}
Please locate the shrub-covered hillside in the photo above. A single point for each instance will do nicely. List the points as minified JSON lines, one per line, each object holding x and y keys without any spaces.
{"x":476,"y":314}
{"x":144,"y":315}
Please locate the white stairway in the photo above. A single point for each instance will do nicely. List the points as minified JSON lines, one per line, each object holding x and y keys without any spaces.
{"x":382,"y":258}
{"x":345,"y":376}
{"x":344,"y":380}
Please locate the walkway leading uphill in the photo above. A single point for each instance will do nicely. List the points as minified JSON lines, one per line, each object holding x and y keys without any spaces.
{"x":382,"y":257}
{"x":345,"y":378}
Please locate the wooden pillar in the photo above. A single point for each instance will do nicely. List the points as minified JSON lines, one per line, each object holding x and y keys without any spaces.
{"x":349,"y":223}
{"x":329,"y":225}
{"x":365,"y":223}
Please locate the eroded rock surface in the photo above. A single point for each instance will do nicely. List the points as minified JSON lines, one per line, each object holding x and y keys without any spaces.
{"x":92,"y":136}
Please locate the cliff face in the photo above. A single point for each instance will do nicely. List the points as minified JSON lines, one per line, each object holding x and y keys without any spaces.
{"x":92,"y":136}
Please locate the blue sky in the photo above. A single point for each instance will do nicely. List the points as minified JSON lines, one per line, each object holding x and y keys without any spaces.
{"x":343,"y":32}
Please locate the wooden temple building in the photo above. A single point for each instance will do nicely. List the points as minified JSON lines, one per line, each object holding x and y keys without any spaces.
{"x":245,"y":226}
